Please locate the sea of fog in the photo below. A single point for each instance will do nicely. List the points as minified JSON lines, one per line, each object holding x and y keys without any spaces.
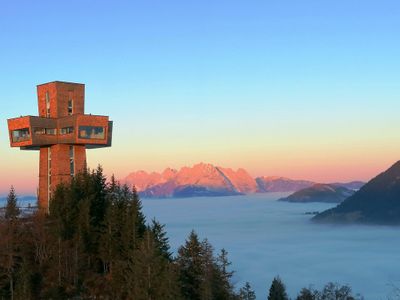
{"x":265,"y":238}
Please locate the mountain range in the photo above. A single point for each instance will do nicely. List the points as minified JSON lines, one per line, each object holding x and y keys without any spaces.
{"x":23,"y":201}
{"x":208,"y":180}
{"x":377,"y":202}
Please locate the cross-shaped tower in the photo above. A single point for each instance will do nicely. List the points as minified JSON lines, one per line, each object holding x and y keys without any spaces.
{"x":62,"y":133}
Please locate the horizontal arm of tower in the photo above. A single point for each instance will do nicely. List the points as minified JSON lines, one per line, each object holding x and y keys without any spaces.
{"x":31,"y":132}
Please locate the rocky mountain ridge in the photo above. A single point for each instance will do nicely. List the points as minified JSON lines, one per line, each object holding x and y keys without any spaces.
{"x":205,"y":179}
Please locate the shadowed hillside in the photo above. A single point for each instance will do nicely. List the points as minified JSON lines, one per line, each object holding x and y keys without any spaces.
{"x":377,"y":202}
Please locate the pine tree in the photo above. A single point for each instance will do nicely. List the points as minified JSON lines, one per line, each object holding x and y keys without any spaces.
{"x":277,"y":290}
{"x":211,"y":279}
{"x":10,"y":232}
{"x":223,"y":288}
{"x":155,"y":274}
{"x":12,"y":211}
{"x":201,"y":275}
{"x":161,"y":239}
{"x":191,"y":268}
{"x":223,"y":264}
{"x":246,"y":292}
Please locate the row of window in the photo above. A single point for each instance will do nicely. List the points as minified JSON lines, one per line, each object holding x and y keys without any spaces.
{"x":48,"y":131}
{"x":85,"y":132}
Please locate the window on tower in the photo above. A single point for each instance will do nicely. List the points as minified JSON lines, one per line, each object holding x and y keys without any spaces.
{"x":21,"y":135}
{"x":72,"y":160}
{"x":70,"y":107}
{"x":50,"y":131}
{"x":39,"y":130}
{"x":67,"y":130}
{"x":47,"y":105}
{"x":91,"y":132}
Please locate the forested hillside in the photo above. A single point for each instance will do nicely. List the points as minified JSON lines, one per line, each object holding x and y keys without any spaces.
{"x":95,"y":244}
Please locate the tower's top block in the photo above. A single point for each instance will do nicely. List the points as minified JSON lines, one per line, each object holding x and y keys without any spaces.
{"x":61,"y":120}
{"x":60,"y":99}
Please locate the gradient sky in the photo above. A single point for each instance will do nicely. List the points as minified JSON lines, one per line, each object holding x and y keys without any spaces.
{"x":303,"y":89}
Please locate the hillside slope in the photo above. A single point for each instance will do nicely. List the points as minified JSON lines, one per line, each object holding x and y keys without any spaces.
{"x":377,"y":202}
{"x":327,"y":193}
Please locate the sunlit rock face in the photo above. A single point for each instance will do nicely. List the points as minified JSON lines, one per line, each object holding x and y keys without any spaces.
{"x":199,"y":180}
{"x":205,"y":179}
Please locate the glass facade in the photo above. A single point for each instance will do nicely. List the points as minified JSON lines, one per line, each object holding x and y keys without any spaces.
{"x":91,"y":132}
{"x":21,"y":135}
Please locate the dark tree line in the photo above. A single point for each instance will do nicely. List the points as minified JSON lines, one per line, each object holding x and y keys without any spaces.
{"x":95,"y":244}
{"x":331,"y":291}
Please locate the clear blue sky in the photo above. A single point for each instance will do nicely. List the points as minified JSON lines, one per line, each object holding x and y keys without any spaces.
{"x":296,"y":88}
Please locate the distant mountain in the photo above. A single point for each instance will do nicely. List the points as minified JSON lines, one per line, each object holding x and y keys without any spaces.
{"x":208,"y":180}
{"x":281,"y":184}
{"x":377,"y":202}
{"x":353,"y":185}
{"x":329,"y":193}
{"x":22,"y":200}
{"x":200,"y":180}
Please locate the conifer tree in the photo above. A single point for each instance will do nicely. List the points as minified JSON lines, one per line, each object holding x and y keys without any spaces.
{"x":277,"y":290}
{"x":246,"y":292}
{"x":191,"y":268}
{"x":224,"y":264}
{"x":12,"y":211}
{"x":10,"y":231}
{"x":201,"y":275}
{"x":210,"y":278}
{"x":161,"y":239}
{"x":155,"y":274}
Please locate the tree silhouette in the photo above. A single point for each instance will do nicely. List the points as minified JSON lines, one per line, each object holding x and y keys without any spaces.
{"x":277,"y":290}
